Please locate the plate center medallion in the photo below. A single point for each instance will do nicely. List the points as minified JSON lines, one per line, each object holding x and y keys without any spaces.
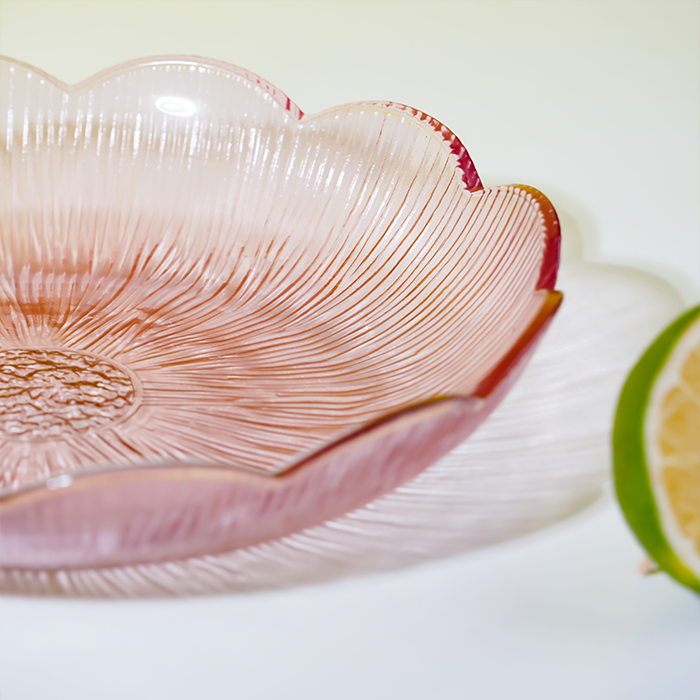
{"x":53,"y":394}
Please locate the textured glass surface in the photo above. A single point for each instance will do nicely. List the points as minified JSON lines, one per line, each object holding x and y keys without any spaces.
{"x":224,"y":322}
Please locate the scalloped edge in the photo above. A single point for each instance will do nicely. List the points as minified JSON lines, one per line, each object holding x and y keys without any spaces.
{"x":470,"y":177}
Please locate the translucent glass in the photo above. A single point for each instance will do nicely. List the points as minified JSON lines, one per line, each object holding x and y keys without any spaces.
{"x":224,"y":322}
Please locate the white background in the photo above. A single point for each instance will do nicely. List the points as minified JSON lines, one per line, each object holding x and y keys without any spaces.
{"x":594,"y":103}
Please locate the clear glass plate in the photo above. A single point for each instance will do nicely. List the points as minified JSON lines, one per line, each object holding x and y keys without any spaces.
{"x":225,"y":322}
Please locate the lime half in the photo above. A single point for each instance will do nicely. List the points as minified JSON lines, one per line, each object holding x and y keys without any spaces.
{"x":656,"y":450}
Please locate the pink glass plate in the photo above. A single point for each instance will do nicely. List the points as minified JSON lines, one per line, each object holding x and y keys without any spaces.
{"x":223,"y":321}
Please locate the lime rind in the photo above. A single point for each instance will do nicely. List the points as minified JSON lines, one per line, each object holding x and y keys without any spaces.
{"x":632,"y":479}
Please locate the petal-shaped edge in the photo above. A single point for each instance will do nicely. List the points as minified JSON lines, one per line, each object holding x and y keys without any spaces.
{"x":466,"y":165}
{"x":24,"y":512}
